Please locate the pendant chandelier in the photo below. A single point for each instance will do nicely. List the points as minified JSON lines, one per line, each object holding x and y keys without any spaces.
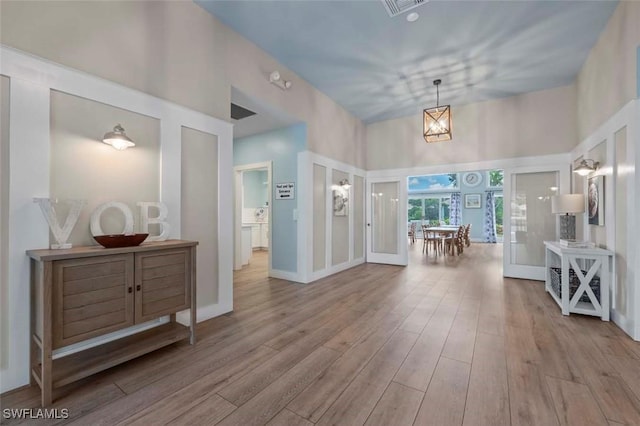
{"x":437,"y":121}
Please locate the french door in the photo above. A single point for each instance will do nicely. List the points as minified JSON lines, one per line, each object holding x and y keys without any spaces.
{"x":386,"y":221}
{"x":528,"y":220}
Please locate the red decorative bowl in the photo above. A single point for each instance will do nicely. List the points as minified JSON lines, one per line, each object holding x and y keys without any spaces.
{"x":120,"y":240}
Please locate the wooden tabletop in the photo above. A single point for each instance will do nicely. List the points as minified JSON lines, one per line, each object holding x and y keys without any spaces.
{"x":442,"y":229}
{"x":88,"y":251}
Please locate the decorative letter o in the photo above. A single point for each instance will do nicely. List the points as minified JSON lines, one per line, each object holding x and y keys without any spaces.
{"x":96,"y":228}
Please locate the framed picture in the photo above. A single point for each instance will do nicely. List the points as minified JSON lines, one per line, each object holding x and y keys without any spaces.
{"x":595,"y":198}
{"x":340,"y":203}
{"x":472,"y":201}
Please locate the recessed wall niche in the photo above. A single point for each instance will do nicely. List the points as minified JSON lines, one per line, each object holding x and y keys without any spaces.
{"x":82,"y":167}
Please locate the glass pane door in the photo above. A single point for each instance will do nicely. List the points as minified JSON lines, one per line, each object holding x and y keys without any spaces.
{"x":385,"y":217}
{"x":386,"y":230}
{"x":530,"y":222}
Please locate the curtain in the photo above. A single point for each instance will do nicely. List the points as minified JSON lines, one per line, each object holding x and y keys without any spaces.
{"x":490,"y":218}
{"x":455,"y":214}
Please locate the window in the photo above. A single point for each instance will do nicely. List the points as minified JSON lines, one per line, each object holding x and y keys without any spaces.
{"x":495,"y":178}
{"x":499,"y":212}
{"x":415,"y":209}
{"x":429,"y":209}
{"x":433,"y":183}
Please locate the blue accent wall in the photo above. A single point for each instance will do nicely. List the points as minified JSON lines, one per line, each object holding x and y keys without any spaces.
{"x":255,"y":188}
{"x":281,"y":147}
{"x":475,"y":216}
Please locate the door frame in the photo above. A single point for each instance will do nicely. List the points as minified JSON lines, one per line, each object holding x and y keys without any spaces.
{"x":402,"y":257}
{"x":564,"y":187}
{"x":237,"y":211}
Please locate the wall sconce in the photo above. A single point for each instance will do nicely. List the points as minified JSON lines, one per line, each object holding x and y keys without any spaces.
{"x":276,"y":80}
{"x":345,"y":183}
{"x":586,"y":167}
{"x":118,"y":139}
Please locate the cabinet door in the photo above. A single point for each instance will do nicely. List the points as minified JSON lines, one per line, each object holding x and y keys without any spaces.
{"x":264,"y":235}
{"x":162,"y":280}
{"x":91,"y":296}
{"x":255,"y":236}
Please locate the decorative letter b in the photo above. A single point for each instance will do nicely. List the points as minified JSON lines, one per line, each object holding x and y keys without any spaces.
{"x":145,"y":220}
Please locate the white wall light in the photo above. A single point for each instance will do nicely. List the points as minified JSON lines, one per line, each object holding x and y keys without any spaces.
{"x":118,"y":139}
{"x":276,"y":80}
{"x":586,"y":167}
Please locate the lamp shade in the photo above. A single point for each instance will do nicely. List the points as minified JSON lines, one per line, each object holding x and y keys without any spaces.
{"x":567,"y":203}
{"x":118,"y":139}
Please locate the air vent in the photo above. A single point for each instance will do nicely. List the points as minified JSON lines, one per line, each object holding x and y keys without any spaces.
{"x":398,"y":7}
{"x":238,"y":112}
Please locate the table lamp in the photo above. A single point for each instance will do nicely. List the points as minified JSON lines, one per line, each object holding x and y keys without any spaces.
{"x":567,"y":205}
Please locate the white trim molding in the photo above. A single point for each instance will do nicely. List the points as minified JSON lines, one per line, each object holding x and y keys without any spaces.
{"x":306,"y":160}
{"x":628,"y":116}
{"x":503,"y":163}
{"x":31,"y":81}
{"x":238,"y":203}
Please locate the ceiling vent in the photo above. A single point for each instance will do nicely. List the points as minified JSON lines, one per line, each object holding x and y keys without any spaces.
{"x":238,"y":112}
{"x":398,"y":7}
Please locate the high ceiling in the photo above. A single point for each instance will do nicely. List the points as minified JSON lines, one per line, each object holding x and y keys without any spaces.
{"x":380,"y":67}
{"x":267,"y":117}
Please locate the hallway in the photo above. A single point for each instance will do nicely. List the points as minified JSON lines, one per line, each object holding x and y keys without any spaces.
{"x":433,"y":343}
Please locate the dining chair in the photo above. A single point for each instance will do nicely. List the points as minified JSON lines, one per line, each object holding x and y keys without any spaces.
{"x":467,"y":235}
{"x":430,"y":239}
{"x":412,"y":232}
{"x":454,"y":243}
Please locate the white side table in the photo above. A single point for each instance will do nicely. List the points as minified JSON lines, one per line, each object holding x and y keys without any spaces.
{"x":596,"y":262}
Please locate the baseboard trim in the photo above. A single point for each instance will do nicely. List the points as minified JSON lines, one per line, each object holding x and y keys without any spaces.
{"x":316,"y":275}
{"x":623,"y":322}
{"x":285,"y":275}
{"x":205,"y":313}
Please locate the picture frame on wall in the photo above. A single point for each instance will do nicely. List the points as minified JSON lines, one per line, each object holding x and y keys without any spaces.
{"x":595,"y":200}
{"x":472,"y":201}
{"x":340,"y":203}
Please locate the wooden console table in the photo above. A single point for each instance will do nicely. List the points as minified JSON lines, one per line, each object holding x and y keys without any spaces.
{"x":87,"y":292}
{"x":596,"y":262}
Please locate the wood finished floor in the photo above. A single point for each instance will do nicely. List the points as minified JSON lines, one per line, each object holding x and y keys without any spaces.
{"x":444,"y":341}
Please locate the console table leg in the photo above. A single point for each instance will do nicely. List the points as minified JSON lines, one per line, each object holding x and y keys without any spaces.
{"x":565,"y":286}
{"x":605,"y":285}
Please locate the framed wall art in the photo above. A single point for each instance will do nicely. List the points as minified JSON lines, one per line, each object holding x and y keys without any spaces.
{"x":595,"y":200}
{"x":340,"y":203}
{"x":472,"y":201}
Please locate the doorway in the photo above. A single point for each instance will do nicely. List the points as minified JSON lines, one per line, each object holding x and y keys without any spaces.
{"x":253,"y":216}
{"x":445,"y":201}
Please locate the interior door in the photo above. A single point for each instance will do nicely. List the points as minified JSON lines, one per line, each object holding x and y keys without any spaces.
{"x":528,"y":220}
{"x":386,"y":222}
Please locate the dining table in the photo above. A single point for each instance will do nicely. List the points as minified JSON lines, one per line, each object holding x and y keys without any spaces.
{"x":445,"y":231}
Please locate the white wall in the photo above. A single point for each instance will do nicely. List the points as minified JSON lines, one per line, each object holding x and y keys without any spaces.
{"x":194,"y":68}
{"x":4,"y":219}
{"x":620,"y":194}
{"x":537,"y":123}
{"x":607,"y":80}
{"x":607,"y":86}
{"x":340,"y":224}
{"x":31,"y":83}
{"x":319,"y":183}
{"x":337,"y":241}
{"x":200,"y":208}
{"x":82,"y":167}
